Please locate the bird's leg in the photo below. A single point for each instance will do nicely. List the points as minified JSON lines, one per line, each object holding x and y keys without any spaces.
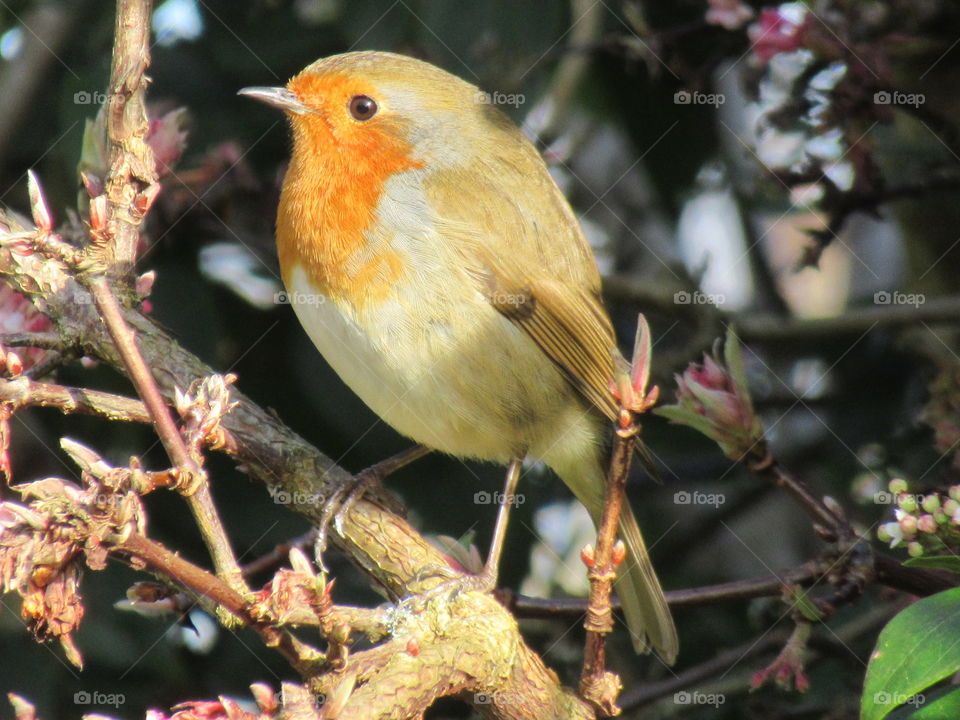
{"x":488,"y":576}
{"x":486,"y":580}
{"x":369,"y":481}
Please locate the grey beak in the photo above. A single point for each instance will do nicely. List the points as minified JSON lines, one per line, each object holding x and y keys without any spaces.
{"x":277,"y":96}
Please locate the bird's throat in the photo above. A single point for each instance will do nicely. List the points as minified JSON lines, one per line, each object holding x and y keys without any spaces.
{"x":327,"y":221}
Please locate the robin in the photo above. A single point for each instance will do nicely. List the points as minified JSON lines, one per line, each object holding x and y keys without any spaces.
{"x":442,"y":274}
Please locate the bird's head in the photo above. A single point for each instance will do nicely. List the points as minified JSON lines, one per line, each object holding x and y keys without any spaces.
{"x":377,"y":104}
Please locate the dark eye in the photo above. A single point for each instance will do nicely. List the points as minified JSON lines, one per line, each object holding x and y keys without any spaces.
{"x":363,"y":107}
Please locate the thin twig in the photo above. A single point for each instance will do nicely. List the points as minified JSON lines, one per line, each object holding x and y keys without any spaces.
{"x":140,"y":375}
{"x":573,"y":608}
{"x":597,"y":685}
{"x":200,"y":499}
{"x":171,"y":566}
{"x":772,"y":471}
{"x":278,"y":555}
{"x":44,"y":340}
{"x":599,"y":620}
{"x":24,"y":392}
{"x":854,"y":322}
{"x":722,"y":662}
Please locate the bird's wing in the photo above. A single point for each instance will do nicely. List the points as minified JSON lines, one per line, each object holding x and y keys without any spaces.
{"x":509,"y":222}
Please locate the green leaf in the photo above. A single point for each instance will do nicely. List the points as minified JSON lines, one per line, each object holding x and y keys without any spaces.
{"x":936,"y":562}
{"x":733,"y":357}
{"x":684,"y":416}
{"x":944,"y":703}
{"x":916,"y":649}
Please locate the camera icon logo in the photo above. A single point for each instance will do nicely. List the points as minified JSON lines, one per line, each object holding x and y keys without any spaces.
{"x":281,"y":497}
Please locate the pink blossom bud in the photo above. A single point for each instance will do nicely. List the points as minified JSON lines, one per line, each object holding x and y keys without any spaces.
{"x":99,"y":213}
{"x":38,"y":204}
{"x":908,"y":525}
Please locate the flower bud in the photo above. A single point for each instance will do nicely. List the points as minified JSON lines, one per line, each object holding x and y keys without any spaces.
{"x":890,"y":532}
{"x":587,"y":555}
{"x":927,"y":524}
{"x":907,"y":502}
{"x":897,"y":486}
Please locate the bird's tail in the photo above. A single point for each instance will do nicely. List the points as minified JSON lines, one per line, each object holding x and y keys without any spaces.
{"x":648,"y":617}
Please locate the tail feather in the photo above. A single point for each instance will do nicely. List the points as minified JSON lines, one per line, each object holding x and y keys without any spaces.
{"x":648,"y":617}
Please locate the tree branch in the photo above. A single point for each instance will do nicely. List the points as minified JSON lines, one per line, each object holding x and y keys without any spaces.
{"x":24,"y":392}
{"x":131,"y":163}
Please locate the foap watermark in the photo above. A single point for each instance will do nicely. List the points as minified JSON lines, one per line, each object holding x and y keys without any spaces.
{"x":883,"y":297}
{"x":298,"y":298}
{"x":682,"y":297}
{"x":500,"y":298}
{"x":884,"y":497}
{"x":285,"y":497}
{"x":897,"y":699}
{"x":895,"y":97}
{"x":685,"y":97}
{"x":85,"y":97}
{"x":95,"y":697}
{"x":499,"y":98}
{"x":497,"y":498}
{"x":686,"y":697}
{"x":500,"y":698}
{"x":79,"y":297}
{"x":684,"y":497}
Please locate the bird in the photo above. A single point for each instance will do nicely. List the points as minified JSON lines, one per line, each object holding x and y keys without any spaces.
{"x":442,"y":274}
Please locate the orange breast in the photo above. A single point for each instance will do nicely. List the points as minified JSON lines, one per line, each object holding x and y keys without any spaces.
{"x":327,"y":213}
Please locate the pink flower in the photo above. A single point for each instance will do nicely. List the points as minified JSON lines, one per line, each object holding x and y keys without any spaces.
{"x":729,"y":14}
{"x":787,"y":668}
{"x":778,"y":30}
{"x":17,"y":314}
{"x":713,"y":398}
{"x":167,"y":137}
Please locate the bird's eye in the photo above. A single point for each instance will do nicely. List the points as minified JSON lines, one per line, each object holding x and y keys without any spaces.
{"x":363,"y":107}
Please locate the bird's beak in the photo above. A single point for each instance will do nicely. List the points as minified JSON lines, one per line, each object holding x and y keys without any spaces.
{"x":277,"y":96}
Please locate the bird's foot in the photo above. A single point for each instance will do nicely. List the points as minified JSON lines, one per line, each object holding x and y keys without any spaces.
{"x":368,"y":483}
{"x":455,"y":583}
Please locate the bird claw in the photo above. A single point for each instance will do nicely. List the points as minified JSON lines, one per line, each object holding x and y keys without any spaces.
{"x":455,"y":583}
{"x":341,"y":502}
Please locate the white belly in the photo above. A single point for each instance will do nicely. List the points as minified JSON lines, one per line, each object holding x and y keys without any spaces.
{"x":458,"y":377}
